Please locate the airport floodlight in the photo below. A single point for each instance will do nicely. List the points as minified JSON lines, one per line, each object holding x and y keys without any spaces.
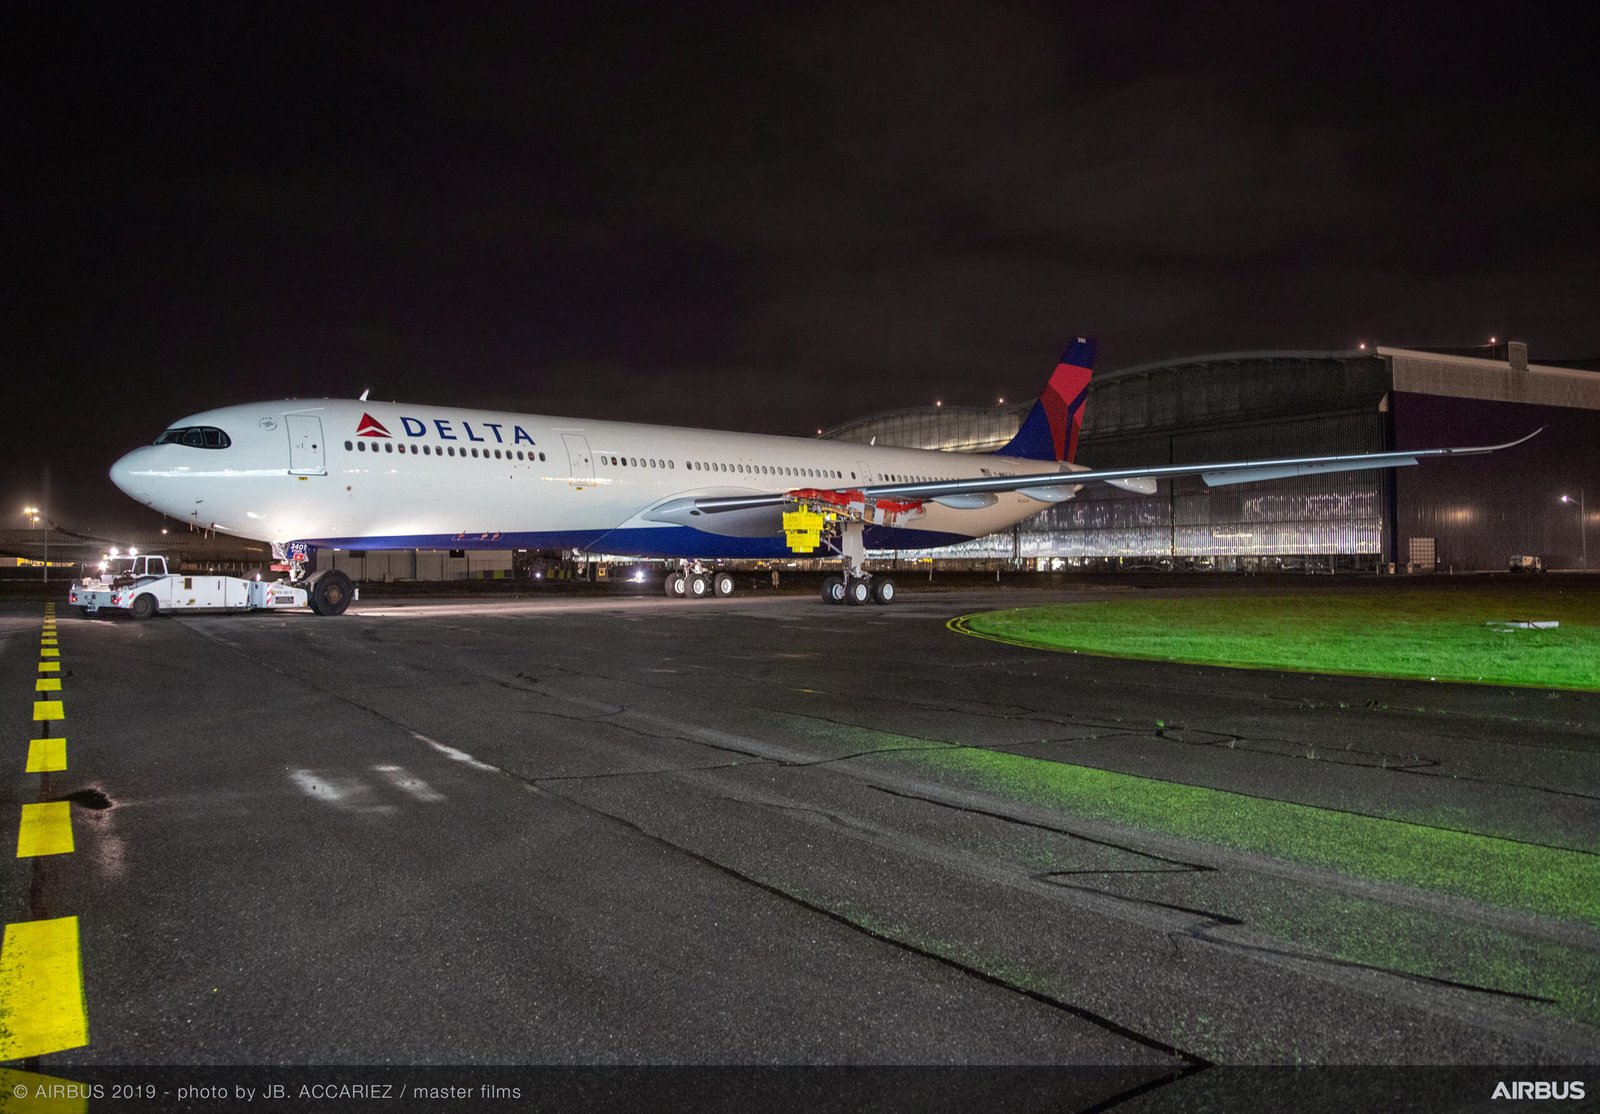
{"x":1583,"y":529}
{"x":35,"y":517}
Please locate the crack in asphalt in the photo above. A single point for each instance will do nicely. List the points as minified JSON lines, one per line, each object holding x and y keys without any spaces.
{"x":1192,"y":1060}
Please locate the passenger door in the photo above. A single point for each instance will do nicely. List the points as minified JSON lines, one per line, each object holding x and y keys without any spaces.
{"x":580,"y":463}
{"x":306,"y":456}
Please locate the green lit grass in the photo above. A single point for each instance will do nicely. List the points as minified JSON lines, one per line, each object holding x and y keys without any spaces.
{"x":1433,"y":634}
{"x":1544,"y":880}
{"x":1361,"y":931}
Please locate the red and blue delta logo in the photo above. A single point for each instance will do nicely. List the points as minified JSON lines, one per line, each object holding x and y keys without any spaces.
{"x":371,"y":427}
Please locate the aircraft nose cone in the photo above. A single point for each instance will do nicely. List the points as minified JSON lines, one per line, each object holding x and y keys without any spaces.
{"x":135,"y":482}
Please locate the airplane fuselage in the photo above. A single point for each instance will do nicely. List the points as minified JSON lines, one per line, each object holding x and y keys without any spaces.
{"x":381,"y":475}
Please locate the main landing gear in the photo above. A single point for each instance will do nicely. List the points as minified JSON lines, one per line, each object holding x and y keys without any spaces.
{"x":695,"y":581}
{"x":858,"y":588}
{"x":856,"y":585}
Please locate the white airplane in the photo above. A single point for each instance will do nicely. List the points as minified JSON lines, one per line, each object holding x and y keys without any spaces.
{"x":357,"y":474}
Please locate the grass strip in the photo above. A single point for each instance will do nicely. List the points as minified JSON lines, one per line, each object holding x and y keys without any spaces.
{"x":1545,"y":880}
{"x":1426,"y":634}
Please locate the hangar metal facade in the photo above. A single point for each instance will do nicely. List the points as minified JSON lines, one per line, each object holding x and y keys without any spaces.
{"x":1468,"y":513}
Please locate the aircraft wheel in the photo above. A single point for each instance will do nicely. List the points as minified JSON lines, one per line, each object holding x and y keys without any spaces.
{"x":722,"y":584}
{"x":858,"y":591}
{"x":699,"y":586}
{"x":331,"y":592}
{"x":833,"y":590}
{"x":677,"y":585}
{"x":144,"y":606}
{"x":882,"y":590}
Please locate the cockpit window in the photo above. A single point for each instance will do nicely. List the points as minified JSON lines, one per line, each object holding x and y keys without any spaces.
{"x":196,"y":437}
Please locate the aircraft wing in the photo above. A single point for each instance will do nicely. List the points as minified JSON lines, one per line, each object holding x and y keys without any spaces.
{"x":1052,"y":487}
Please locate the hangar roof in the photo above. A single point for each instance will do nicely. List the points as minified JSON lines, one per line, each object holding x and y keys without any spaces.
{"x":1433,"y":373}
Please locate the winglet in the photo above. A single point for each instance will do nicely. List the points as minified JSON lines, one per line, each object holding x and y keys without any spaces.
{"x":1050,"y":431}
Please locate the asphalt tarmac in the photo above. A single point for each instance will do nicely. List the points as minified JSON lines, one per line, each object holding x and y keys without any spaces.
{"x":768,"y":831}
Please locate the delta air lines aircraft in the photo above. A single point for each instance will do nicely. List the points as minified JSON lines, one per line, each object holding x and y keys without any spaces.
{"x":304,"y":475}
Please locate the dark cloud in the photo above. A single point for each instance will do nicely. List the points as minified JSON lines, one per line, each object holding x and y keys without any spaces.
{"x":761,"y":217}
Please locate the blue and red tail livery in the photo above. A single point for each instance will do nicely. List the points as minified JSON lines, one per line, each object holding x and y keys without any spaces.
{"x":1051,"y":429}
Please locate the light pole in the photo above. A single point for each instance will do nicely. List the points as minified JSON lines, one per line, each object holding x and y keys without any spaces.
{"x":36,"y":518}
{"x":1583,"y":529}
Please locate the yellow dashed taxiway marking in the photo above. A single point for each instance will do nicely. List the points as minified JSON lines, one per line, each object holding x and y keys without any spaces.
{"x":46,"y":830}
{"x":45,"y":710}
{"x":49,"y":652}
{"x":46,"y":1094}
{"x":47,"y":684}
{"x":41,"y":989}
{"x":46,"y":755}
{"x":49,"y":667}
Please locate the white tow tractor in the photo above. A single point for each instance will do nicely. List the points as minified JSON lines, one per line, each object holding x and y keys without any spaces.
{"x":141,"y":585}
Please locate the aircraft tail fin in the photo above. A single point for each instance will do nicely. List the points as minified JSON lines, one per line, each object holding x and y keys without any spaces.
{"x":1050,"y":431}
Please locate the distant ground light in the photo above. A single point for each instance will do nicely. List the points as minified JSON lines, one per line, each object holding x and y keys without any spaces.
{"x":1459,"y":635}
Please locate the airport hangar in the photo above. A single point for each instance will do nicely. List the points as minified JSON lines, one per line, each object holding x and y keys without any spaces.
{"x":1471,"y":513}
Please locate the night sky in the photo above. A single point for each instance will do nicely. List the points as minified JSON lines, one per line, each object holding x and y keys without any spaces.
{"x":752,"y":217}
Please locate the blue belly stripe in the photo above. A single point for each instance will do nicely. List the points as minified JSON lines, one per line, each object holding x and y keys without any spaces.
{"x":649,"y":541}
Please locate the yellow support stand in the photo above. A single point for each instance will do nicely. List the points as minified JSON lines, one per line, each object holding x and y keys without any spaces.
{"x":803,"y":530}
